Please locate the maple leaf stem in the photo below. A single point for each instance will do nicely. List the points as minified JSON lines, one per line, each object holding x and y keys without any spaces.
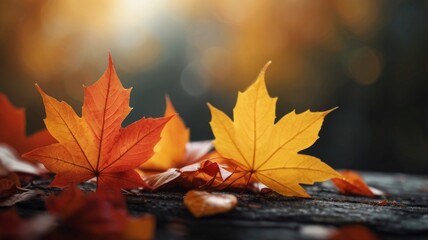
{"x":211,"y":181}
{"x":248,"y":183}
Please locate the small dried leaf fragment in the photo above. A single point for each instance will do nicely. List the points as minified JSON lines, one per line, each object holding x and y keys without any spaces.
{"x":352,"y":183}
{"x":96,"y":145}
{"x":12,"y":129}
{"x":202,"y":204}
{"x":267,"y":150}
{"x":382,"y":203}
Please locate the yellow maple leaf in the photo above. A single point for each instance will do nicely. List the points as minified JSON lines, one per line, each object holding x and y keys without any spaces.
{"x":267,"y":150}
{"x":171,"y":149}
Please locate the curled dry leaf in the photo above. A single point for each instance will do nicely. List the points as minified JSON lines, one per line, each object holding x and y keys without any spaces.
{"x":203,"y":174}
{"x":10,"y":191}
{"x":202,"y":204}
{"x":158,"y":180}
{"x":267,"y":150}
{"x":178,"y":161}
{"x":12,"y":163}
{"x":12,"y":129}
{"x":352,"y":183}
{"x":19,"y":196}
{"x":96,"y":145}
{"x":207,"y":174}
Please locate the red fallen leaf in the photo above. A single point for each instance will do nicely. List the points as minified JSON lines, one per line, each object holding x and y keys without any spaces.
{"x":99,"y":215}
{"x":352,"y":183}
{"x":7,"y":188}
{"x":96,"y":145}
{"x":11,"y":225}
{"x":354,"y":232}
{"x":202,"y":204}
{"x":12,"y":129}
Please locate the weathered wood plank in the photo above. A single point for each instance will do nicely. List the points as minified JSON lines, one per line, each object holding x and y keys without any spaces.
{"x":270,"y":216}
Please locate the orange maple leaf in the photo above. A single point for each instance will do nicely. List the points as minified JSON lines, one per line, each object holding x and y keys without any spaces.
{"x":171,"y":149}
{"x":174,"y":149}
{"x":352,"y":183}
{"x":12,"y":129}
{"x":95,"y":145}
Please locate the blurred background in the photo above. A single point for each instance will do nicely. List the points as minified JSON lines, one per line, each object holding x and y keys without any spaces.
{"x":369,"y":57}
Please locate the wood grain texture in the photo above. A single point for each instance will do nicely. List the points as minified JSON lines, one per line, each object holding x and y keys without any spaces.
{"x":271,"y":216}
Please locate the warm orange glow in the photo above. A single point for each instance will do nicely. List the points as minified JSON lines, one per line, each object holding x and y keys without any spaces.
{"x":365,"y":65}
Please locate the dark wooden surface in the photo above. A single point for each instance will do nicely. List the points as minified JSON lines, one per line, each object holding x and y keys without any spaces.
{"x":270,"y":216}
